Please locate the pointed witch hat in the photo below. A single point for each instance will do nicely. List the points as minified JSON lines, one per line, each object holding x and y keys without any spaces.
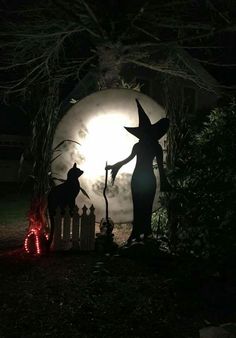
{"x":145,"y":128}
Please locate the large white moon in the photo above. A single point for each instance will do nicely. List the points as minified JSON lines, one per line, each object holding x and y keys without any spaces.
{"x":97,"y":122}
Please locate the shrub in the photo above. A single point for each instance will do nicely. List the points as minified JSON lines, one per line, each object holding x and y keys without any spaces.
{"x":204,"y":180}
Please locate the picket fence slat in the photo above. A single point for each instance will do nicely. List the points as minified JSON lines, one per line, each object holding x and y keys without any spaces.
{"x":59,"y":226}
{"x":66,"y":227}
{"x":76,"y":232}
{"x":75,"y":228}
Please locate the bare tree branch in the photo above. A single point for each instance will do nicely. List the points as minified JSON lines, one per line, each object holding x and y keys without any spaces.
{"x":216,"y":63}
{"x":146,"y":32}
{"x":176,"y":72}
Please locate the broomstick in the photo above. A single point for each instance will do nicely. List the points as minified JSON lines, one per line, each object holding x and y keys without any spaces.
{"x":109,"y":227}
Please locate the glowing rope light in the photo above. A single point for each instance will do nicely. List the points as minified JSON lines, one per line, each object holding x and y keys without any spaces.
{"x":33,"y":233}
{"x":37,"y":236}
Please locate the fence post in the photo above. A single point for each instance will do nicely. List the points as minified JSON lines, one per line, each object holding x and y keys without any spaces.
{"x":75,"y":228}
{"x":83,"y":229}
{"x":66,"y":229}
{"x":56,"y":243}
{"x":91,"y":227}
{"x":87,"y":232}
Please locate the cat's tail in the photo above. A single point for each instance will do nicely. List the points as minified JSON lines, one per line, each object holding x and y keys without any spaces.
{"x":84,"y":192}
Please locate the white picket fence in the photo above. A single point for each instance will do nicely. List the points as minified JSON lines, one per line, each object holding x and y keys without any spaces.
{"x":77,"y":232}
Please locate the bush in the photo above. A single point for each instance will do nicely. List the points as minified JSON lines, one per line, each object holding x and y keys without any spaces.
{"x":205,"y":187}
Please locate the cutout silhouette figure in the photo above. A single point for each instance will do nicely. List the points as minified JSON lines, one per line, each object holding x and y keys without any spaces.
{"x":64,"y":195}
{"x":143,"y":182}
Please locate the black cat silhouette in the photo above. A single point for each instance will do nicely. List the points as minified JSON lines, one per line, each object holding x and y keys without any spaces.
{"x":64,"y":195}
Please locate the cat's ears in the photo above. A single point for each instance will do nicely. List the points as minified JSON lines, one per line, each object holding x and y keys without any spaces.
{"x":74,"y":166}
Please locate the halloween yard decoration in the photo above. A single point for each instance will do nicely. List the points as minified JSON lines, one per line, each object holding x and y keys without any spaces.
{"x":97,"y":123}
{"x":106,"y":224}
{"x":143,"y":182}
{"x":104,"y":240}
{"x":64,"y":195}
{"x":36,"y":239}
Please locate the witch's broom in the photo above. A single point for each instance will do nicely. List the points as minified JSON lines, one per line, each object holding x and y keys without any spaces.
{"x":106,"y":224}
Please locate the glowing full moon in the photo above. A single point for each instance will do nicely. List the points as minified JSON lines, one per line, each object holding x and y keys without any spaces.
{"x":97,"y":122}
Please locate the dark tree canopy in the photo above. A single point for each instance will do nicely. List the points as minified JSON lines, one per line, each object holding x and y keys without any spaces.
{"x":57,"y":41}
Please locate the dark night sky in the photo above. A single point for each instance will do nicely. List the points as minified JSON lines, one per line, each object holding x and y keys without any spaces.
{"x":13,"y":120}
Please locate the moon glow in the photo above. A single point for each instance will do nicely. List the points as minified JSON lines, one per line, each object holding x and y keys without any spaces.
{"x":97,"y":122}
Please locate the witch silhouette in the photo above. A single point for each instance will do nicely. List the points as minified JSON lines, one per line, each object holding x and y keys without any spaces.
{"x":143,"y":182}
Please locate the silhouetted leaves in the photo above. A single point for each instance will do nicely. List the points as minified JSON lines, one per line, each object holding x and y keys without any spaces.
{"x":205,"y":198}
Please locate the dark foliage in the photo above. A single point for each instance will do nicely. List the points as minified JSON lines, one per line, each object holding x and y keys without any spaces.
{"x":205,"y":186}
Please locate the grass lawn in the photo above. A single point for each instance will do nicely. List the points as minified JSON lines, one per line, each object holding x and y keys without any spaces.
{"x":130,"y":294}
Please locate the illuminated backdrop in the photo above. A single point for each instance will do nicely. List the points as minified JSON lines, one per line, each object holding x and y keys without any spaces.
{"x":97,"y":123}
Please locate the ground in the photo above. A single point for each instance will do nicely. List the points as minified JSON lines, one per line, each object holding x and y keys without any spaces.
{"x":129,"y":294}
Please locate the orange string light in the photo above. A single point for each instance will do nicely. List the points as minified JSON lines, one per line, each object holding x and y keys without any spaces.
{"x":37,"y":235}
